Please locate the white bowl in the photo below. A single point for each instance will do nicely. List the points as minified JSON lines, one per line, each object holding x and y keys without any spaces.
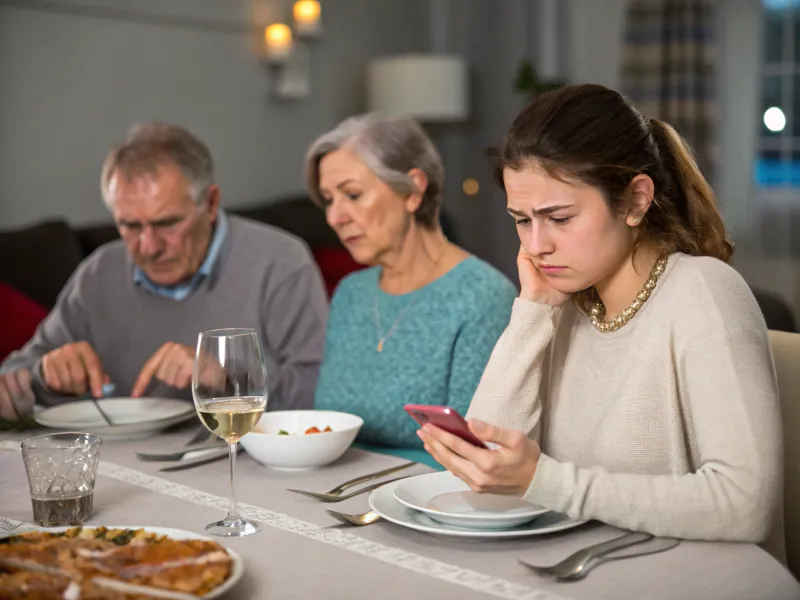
{"x":299,"y":451}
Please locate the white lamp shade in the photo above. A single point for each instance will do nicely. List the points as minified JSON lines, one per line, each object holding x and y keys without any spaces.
{"x":428,"y":87}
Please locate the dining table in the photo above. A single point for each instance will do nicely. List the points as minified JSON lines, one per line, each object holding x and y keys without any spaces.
{"x":302,"y":552}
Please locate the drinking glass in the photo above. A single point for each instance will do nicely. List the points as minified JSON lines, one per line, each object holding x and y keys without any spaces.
{"x":61,"y":469}
{"x":229,"y":387}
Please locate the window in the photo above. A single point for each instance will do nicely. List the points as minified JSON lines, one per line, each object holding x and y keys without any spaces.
{"x":777,"y":169}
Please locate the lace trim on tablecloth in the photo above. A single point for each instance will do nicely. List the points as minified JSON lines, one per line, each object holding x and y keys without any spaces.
{"x":494,"y":586}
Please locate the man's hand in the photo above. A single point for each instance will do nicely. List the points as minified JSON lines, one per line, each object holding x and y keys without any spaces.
{"x":72,"y":369}
{"x":16,"y":395}
{"x":172,"y":364}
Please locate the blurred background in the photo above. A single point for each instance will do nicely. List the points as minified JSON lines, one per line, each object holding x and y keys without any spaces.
{"x":75,"y":74}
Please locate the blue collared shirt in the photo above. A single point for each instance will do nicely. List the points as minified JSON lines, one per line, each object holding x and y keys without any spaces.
{"x":183,"y":290}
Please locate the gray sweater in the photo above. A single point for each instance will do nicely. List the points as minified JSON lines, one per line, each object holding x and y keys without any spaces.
{"x":263,"y":278}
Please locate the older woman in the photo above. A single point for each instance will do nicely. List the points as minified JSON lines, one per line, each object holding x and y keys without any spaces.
{"x":420,"y":325}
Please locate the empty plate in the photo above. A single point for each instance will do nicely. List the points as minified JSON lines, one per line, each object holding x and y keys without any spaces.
{"x":447,"y":499}
{"x":132,"y":418}
{"x":383,"y":502}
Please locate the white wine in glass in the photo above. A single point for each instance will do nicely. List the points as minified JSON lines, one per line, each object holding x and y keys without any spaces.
{"x":229,"y":387}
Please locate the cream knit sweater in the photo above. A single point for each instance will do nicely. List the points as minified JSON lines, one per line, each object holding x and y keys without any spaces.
{"x":669,"y":425}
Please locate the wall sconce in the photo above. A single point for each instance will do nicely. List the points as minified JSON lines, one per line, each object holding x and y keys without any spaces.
{"x":306,"y":15}
{"x":277,"y":43}
{"x":290,"y":61}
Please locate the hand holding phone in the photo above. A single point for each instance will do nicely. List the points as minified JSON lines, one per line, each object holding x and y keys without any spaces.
{"x":445,"y":418}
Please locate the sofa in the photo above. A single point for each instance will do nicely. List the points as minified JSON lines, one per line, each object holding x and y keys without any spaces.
{"x":36,"y":261}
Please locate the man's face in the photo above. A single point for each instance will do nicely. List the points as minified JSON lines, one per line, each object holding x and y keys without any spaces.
{"x":166,"y":232}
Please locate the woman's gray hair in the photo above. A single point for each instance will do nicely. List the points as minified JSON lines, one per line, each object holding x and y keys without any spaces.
{"x":149,"y":146}
{"x":390,"y":147}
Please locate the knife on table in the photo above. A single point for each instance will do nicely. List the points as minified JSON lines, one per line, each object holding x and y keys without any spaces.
{"x":207,"y":456}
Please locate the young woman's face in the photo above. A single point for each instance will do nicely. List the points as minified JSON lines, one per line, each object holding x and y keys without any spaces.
{"x":567,"y":228}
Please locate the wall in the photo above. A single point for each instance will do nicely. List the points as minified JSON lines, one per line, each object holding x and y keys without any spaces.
{"x":576,"y":39}
{"x":595,"y":32}
{"x":72,"y":84}
{"x":494,"y":37}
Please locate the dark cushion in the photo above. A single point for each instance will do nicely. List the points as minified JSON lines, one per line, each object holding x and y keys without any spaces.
{"x":91,"y":237}
{"x":777,"y":313}
{"x":300,"y":216}
{"x":297,"y":215}
{"x":38,"y":260}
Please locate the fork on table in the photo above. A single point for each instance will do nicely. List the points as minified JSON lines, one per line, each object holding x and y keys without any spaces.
{"x":336,"y":494}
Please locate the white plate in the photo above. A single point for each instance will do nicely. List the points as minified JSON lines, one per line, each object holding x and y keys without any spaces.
{"x":237,"y":566}
{"x":447,"y":499}
{"x":133,"y":418}
{"x":382,"y":501}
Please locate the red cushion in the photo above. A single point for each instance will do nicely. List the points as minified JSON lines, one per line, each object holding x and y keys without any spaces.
{"x":335,"y":263}
{"x":19,"y":317}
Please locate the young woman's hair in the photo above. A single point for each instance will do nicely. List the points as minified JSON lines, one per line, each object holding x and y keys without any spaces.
{"x":592,"y":134}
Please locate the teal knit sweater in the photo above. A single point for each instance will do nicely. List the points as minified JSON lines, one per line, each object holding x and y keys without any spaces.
{"x":435,"y":355}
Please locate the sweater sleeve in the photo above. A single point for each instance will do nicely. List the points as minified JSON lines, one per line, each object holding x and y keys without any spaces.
{"x":295,"y":318}
{"x":517,"y":369}
{"x":732,"y":403}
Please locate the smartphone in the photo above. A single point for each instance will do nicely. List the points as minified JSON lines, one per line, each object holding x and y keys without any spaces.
{"x":445,"y":418}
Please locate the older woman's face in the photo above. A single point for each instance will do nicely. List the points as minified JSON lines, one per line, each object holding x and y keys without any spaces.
{"x":367,"y":215}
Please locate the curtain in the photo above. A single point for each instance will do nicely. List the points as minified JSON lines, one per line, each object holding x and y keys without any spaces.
{"x":668,"y":68}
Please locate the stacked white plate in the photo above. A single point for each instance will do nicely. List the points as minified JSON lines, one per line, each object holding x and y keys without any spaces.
{"x":132,"y":418}
{"x":442,"y":504}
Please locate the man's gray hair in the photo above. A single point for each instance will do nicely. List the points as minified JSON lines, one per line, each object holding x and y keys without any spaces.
{"x":390,"y":147}
{"x":149,"y":146}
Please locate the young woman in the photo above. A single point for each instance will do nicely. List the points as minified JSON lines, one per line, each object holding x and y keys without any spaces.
{"x":634,"y":383}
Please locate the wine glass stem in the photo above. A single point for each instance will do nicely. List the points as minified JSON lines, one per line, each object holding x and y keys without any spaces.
{"x":233,"y":512}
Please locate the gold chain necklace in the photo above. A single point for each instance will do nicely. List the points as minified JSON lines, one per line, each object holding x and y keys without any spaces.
{"x":599,"y":310}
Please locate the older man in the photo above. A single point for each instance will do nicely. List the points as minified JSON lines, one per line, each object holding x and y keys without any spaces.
{"x":131,"y":312}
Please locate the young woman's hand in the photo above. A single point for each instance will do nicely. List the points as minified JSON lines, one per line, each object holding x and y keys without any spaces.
{"x":507,"y":469}
{"x":533,"y":283}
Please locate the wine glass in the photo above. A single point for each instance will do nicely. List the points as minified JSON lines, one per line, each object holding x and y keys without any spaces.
{"x":229,"y":387}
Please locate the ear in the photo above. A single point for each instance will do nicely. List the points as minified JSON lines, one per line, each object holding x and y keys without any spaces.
{"x":212,"y":203}
{"x":420,"y":181}
{"x":642,"y":191}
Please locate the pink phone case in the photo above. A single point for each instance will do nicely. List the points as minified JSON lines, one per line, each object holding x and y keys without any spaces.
{"x":444,"y":418}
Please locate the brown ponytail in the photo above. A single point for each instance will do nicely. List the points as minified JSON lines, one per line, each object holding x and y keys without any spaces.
{"x":592,"y":134}
{"x":701,"y":231}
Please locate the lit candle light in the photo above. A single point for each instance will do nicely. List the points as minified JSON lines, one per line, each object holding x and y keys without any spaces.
{"x":306,"y":17}
{"x":278,"y":42}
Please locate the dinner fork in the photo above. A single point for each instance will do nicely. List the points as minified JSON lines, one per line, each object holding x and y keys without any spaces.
{"x":365,"y":519}
{"x":339,"y":498}
{"x":577,"y":565}
{"x":337,"y":491}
